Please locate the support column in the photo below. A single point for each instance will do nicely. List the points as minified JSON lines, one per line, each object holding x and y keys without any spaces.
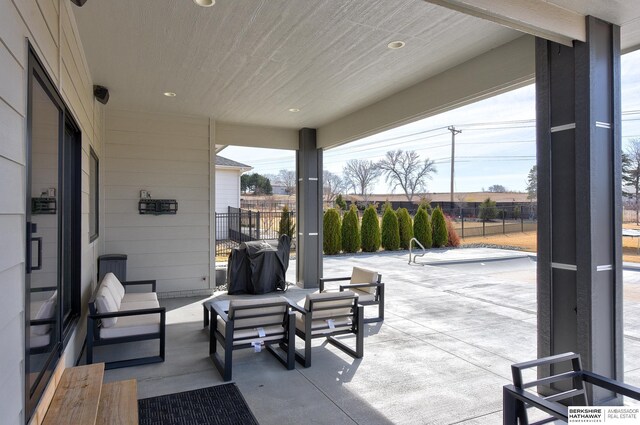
{"x":309,"y":210}
{"x":579,"y":201}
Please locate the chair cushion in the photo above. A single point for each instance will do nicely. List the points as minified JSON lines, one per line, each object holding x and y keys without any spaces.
{"x":364,"y":296}
{"x":340,"y":310}
{"x":133,"y":325}
{"x":241,"y":311}
{"x":45,"y":310}
{"x":341,"y":300}
{"x":111,"y":281}
{"x":246,"y":336}
{"x":360,"y":275}
{"x":106,"y":304}
{"x":321,"y":326}
{"x":141,"y":296}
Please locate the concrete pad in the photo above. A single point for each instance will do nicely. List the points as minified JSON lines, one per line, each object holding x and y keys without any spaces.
{"x":442,"y":355}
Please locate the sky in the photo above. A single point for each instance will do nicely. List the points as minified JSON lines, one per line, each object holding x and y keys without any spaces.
{"x":496,"y":146}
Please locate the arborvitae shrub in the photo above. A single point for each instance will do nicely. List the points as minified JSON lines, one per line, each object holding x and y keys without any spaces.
{"x":439,"y":228}
{"x":405,"y":226}
{"x":286,"y":226}
{"x":351,"y":231}
{"x":488,"y":210}
{"x":390,"y":232}
{"x":370,"y":230}
{"x":341,"y":203}
{"x":422,"y":228}
{"x":331,"y":242}
{"x":454,"y":239}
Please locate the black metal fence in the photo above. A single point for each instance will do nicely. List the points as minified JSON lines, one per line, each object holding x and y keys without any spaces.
{"x":239,"y":225}
{"x":471,"y":221}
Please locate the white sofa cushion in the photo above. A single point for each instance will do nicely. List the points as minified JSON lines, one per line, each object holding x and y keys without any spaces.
{"x":273,"y":315}
{"x":114,"y":284}
{"x":360,"y":275}
{"x":133,"y":325}
{"x":364,"y":296}
{"x":106,"y":304}
{"x":37,"y":341}
{"x":139,"y":296}
{"x":45,"y":310}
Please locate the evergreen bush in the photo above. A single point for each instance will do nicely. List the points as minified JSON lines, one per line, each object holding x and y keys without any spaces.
{"x":370,"y":230}
{"x":405,"y":227}
{"x":341,"y":203}
{"x":332,"y":235}
{"x":488,"y":210}
{"x":351,"y":231}
{"x":439,"y":228}
{"x":422,"y":228}
{"x":390,"y":231}
{"x":286,"y":225}
{"x":454,"y":239}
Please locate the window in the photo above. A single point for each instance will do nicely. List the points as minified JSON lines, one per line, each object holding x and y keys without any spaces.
{"x":94,"y":190}
{"x":53,"y":231}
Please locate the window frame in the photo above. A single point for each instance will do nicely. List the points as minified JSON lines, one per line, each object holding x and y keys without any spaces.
{"x":94,"y":187}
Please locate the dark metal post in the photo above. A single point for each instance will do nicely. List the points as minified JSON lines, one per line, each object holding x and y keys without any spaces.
{"x":309,"y":210}
{"x":483,"y":223}
{"x":504,"y":215}
{"x":579,"y":197}
{"x":462,"y":216}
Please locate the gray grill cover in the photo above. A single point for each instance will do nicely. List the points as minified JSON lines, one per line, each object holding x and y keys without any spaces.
{"x":258,"y":267}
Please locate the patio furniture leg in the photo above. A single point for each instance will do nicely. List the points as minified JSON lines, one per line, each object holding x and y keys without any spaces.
{"x":291,"y":344}
{"x":89,"y":341}
{"x":509,"y":408}
{"x":205,"y":317}
{"x":360,"y":334}
{"x":228,"y":351}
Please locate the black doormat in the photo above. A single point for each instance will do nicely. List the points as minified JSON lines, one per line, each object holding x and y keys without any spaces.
{"x":218,"y":405}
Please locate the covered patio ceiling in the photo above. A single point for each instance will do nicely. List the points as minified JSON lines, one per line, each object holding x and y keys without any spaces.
{"x":249,"y":62}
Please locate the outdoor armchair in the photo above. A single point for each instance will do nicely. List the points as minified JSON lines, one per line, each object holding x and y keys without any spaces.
{"x":327,"y":315}
{"x":252,"y":323}
{"x":565,"y":386}
{"x":367,"y":285}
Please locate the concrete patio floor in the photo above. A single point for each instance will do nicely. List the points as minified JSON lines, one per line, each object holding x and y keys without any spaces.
{"x":441,"y":356}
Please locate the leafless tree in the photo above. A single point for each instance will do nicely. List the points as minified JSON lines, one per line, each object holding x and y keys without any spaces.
{"x":287,"y":178}
{"x":405,"y":169}
{"x":332,"y":185}
{"x":360,"y":175}
{"x":631,"y":174}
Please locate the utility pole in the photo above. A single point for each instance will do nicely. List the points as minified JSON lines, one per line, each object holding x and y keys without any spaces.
{"x":453,"y":131}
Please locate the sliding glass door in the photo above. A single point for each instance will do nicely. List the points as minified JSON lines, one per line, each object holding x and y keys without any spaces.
{"x":52,"y":266}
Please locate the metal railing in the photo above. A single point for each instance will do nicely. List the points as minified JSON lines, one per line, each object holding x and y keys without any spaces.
{"x":424,"y":251}
{"x":239,"y":225}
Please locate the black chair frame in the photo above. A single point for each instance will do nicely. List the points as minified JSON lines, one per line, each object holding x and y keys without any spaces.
{"x":94,"y":325}
{"x":516,"y":399}
{"x":226,"y":340}
{"x":357,"y":328}
{"x":379,"y":294}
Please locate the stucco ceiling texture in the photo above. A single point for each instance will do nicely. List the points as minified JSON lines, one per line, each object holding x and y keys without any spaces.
{"x":250,"y":61}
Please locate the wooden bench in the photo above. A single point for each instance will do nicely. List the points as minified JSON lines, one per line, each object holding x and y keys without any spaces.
{"x":82,"y":398}
{"x":118,"y":403}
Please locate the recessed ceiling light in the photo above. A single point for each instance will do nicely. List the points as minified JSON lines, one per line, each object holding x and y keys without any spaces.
{"x":396,"y":45}
{"x":169,"y":94}
{"x":205,"y":3}
{"x":294,"y":110}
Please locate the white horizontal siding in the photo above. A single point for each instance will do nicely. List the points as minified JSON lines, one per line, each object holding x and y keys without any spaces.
{"x":50,"y":27}
{"x":227,"y":190}
{"x":169,"y":157}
